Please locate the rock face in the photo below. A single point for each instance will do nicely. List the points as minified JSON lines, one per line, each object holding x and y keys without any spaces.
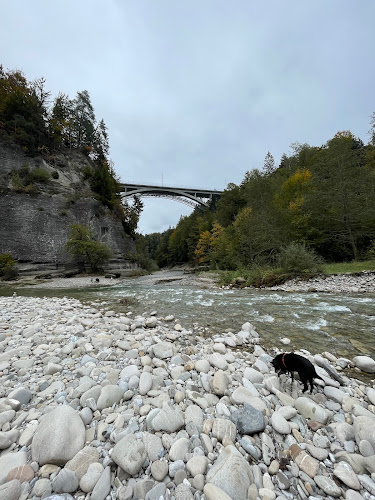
{"x":35,"y":229}
{"x":60,"y":435}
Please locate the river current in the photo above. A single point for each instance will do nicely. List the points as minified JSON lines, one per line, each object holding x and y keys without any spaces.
{"x":338,"y":323}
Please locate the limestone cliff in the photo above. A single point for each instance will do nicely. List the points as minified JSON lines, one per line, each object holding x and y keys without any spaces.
{"x":35,"y":220}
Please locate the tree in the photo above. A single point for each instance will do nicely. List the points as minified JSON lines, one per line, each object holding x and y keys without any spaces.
{"x":132,"y":213}
{"x":84,"y":120}
{"x":101,"y":145}
{"x":8,"y":269}
{"x":22,"y":116}
{"x":269,"y":164}
{"x":341,"y":201}
{"x":85,"y":249}
{"x":372,"y":129}
{"x":61,"y":121}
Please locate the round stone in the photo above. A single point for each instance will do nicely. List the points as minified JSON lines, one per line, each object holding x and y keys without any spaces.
{"x":159,"y":469}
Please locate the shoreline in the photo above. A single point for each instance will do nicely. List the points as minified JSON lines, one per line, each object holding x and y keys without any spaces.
{"x":148,"y":409}
{"x":363,"y":282}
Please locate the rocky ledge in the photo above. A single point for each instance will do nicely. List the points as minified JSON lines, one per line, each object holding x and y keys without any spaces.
{"x":98,"y":405}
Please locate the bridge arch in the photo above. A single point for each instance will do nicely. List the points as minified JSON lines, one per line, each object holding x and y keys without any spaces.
{"x":189,"y":196}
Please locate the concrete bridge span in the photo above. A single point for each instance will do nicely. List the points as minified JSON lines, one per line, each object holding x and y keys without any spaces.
{"x":188,"y":196}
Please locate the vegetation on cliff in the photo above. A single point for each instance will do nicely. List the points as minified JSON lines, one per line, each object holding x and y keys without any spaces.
{"x":42,"y":126}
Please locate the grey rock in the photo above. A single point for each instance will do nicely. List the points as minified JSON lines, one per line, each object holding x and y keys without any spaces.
{"x":81,"y":461}
{"x":365,"y":363}
{"x":176,"y":466}
{"x":223,"y":428}
{"x":11,"y":461}
{"x":248,"y":420}
{"x":309,"y":409}
{"x":130,"y":454}
{"x":328,"y":486}
{"x":183,"y":492}
{"x":367,"y":483}
{"x":145,"y":383}
{"x":163,"y":350}
{"x":159,"y":469}
{"x":179,"y":449}
{"x":21,"y":394}
{"x":364,"y":429}
{"x":110,"y":394}
{"x":365,"y":448}
{"x":156,"y":492}
{"x":346,"y":475}
{"x":10,"y":490}
{"x":247,"y":445}
{"x":89,"y":480}
{"x":231,"y":472}
{"x":153,"y":446}
{"x":103,"y":486}
{"x":8,"y":438}
{"x":168,"y":419}
{"x":65,"y":482}
{"x":59,"y":437}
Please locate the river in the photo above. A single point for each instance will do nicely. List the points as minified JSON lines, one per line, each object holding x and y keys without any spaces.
{"x":341,"y":324}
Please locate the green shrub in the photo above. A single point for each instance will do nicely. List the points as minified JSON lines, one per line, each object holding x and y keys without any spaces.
{"x":64,"y":213}
{"x":55,"y":174}
{"x":87,"y":172}
{"x":39,"y":175}
{"x":297,"y":258}
{"x":8,"y":269}
{"x":16,"y":180}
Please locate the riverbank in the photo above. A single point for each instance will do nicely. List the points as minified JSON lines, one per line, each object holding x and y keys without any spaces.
{"x":363,"y":282}
{"x":149,"y":409}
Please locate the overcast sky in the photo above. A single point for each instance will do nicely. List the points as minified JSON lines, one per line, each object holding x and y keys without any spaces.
{"x":196,"y":92}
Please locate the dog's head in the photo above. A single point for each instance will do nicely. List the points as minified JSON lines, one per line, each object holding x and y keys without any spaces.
{"x":277,"y":361}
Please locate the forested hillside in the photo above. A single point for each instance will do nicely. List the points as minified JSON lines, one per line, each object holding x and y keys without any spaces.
{"x":322,"y":198}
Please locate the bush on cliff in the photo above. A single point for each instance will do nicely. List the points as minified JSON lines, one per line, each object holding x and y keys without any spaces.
{"x":85,"y":249}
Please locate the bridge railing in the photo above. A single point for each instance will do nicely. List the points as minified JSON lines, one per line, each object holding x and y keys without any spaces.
{"x":163,"y":184}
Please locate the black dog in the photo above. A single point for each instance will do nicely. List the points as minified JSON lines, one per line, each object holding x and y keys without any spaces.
{"x":290,"y":362}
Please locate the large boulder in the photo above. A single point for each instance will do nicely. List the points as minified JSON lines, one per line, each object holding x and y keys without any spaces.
{"x":59,"y":437}
{"x":364,"y":363}
{"x":231,"y":473}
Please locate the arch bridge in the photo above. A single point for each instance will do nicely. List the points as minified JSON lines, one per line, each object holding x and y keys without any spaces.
{"x":189,"y":196}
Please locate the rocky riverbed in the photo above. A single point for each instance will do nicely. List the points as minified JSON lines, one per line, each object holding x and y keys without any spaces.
{"x":100,"y":405}
{"x":363,"y":282}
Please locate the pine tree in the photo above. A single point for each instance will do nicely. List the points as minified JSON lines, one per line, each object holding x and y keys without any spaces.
{"x":269,"y":164}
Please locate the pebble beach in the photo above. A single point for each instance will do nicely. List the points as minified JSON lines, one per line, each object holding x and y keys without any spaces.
{"x":101,"y":405}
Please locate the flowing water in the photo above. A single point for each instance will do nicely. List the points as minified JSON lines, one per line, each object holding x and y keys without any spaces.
{"x":343,"y":324}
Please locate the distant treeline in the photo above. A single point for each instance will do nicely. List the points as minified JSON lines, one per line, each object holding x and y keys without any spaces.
{"x":322,"y":198}
{"x":42,"y":126}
